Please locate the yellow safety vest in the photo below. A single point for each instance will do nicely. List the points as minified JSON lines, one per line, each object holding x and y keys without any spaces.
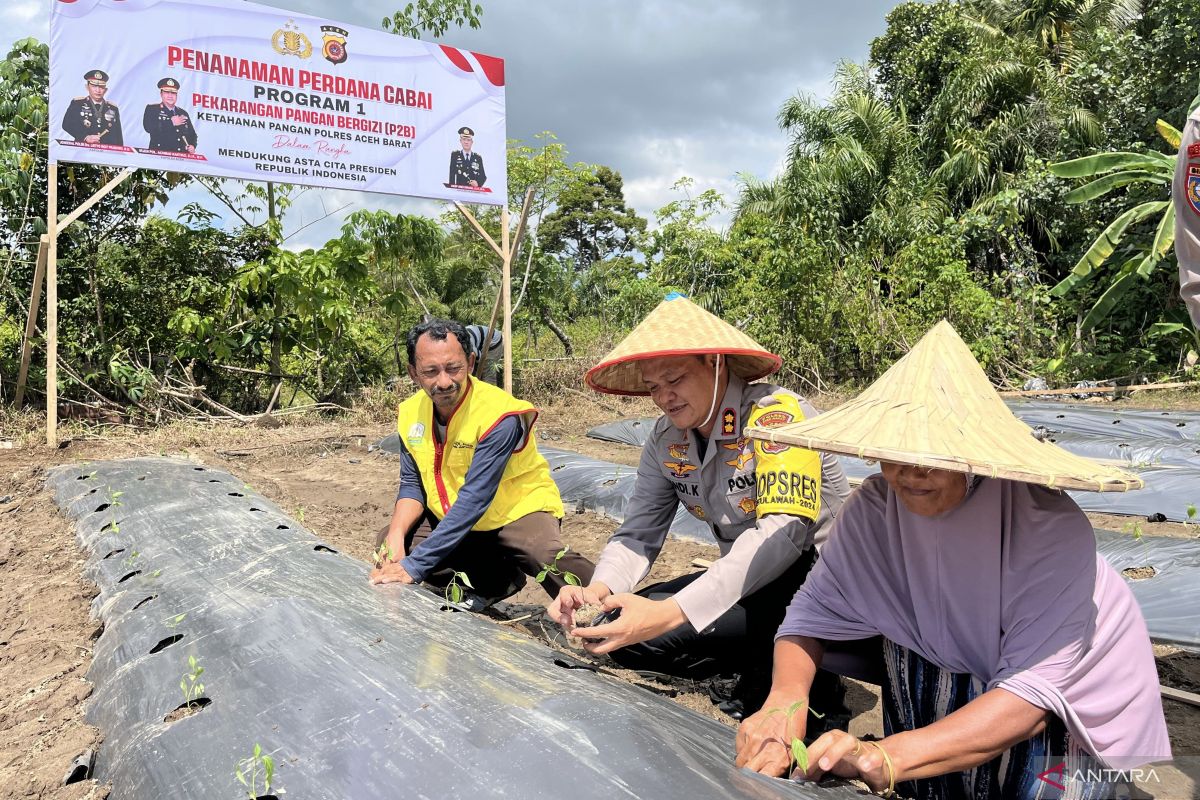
{"x":525,"y":486}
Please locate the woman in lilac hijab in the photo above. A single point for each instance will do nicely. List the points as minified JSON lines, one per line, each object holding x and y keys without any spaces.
{"x":1018,"y":664}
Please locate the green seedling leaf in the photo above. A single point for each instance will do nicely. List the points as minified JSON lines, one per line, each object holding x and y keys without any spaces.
{"x":560,"y":554}
{"x":455,"y":593}
{"x":800,"y":754}
{"x":541,"y":576}
{"x":1191,"y":511}
{"x":466,"y":581}
{"x":572,"y":579}
{"x":269,"y":767}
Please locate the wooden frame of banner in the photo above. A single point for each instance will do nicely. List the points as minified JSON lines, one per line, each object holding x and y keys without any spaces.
{"x":48,"y":261}
{"x":507,"y":250}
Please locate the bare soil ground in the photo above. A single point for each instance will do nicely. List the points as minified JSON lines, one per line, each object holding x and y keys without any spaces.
{"x":322,"y":473}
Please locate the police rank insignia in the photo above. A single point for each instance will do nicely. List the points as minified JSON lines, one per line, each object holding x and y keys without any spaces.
{"x":334,"y":48}
{"x":679,"y":469}
{"x":728,"y":421}
{"x":290,"y":41}
{"x":745,"y":453}
{"x":1191,"y":188}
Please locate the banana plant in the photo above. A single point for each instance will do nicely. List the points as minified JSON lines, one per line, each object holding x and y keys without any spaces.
{"x":1120,"y":169}
{"x":1111,"y":171}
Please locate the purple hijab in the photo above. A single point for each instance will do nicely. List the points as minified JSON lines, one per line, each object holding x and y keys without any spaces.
{"x":1008,"y":587}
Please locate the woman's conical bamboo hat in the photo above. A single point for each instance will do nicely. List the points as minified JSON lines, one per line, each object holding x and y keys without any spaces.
{"x":678,"y":327}
{"x":936,"y":408}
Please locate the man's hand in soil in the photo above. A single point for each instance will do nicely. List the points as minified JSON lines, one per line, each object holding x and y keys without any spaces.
{"x":390,"y":572}
{"x":572,"y":598}
{"x":640,"y":619}
{"x":763,"y":739}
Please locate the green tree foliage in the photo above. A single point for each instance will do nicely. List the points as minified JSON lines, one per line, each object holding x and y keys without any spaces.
{"x":433,"y":17}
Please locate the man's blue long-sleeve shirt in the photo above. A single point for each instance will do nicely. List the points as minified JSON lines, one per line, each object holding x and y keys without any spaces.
{"x":479,"y":488}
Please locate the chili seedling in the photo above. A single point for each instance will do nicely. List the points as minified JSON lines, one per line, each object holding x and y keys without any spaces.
{"x":173,"y":622}
{"x":249,"y":770}
{"x":797,"y":751}
{"x":454,"y":589}
{"x":131,"y":559}
{"x":300,"y":514}
{"x":190,"y":684}
{"x":553,"y":569}
{"x":382,"y":555}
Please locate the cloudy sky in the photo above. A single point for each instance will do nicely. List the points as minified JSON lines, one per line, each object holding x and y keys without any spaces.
{"x":657,"y":89}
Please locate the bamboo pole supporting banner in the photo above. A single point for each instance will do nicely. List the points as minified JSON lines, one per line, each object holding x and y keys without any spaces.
{"x":52,"y":305}
{"x":526,"y":205}
{"x":506,"y":289}
{"x":96,"y":198}
{"x":474,"y":223}
{"x":35,"y":302}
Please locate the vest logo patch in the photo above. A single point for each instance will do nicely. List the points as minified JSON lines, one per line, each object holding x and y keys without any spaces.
{"x":747,"y":505}
{"x":679,"y":450}
{"x":416,"y":433}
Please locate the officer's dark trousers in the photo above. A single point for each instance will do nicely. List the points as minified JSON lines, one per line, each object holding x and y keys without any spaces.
{"x":496,"y":562}
{"x":740,"y":642}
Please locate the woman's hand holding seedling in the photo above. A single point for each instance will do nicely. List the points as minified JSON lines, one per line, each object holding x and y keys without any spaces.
{"x":641,"y":619}
{"x":572,"y":598}
{"x":764,"y":738}
{"x":839,"y":753}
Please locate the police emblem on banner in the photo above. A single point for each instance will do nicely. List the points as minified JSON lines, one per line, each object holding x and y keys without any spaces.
{"x":1192,"y":188}
{"x":334,"y":48}
{"x":290,"y":41}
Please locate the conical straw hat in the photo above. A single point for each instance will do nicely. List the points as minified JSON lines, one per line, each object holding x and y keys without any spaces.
{"x":678,"y":327}
{"x":936,"y":408}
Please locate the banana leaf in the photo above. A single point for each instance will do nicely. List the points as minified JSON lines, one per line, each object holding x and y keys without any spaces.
{"x":1102,"y":186}
{"x":1164,"y":237}
{"x":1129,"y":272}
{"x":1105,"y":244}
{"x":1168,"y":132}
{"x":1099,"y":163}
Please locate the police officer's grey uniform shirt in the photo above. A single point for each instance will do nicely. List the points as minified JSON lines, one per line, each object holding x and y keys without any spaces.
{"x":1186,"y":194}
{"x":721,"y":489}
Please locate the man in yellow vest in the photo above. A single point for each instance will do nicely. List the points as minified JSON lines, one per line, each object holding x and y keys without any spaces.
{"x":475,"y":495}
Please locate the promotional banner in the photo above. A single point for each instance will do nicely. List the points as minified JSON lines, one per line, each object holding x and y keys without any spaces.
{"x":238,"y":90}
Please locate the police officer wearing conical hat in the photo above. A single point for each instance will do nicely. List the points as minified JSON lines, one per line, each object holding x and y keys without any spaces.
{"x":466,"y":167}
{"x":169,"y":126}
{"x":91,"y":118}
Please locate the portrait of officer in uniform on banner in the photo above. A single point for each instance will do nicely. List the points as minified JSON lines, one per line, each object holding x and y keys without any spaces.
{"x":169,"y":126}
{"x":91,"y":119}
{"x":466,"y":166}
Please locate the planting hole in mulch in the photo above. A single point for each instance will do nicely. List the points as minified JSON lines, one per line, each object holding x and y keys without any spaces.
{"x":101,"y":507}
{"x":188,"y":709}
{"x":1139,"y":573}
{"x":112,"y":553}
{"x":143,"y":602}
{"x":129,"y":575}
{"x":165,"y":643}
